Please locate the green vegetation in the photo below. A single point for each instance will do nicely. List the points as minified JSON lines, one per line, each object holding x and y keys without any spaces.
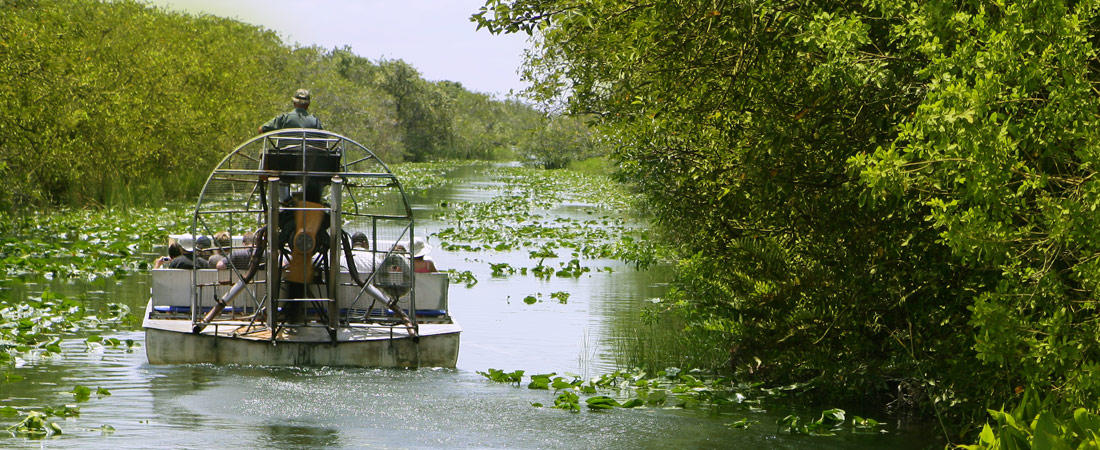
{"x":672,"y":388}
{"x":35,"y":425}
{"x":84,"y":243}
{"x":1031,"y":424}
{"x":636,"y":388}
{"x":122,"y":103}
{"x":829,"y":423}
{"x":889,"y":200}
{"x":34,"y":328}
{"x":657,"y":339}
{"x":519,"y":219}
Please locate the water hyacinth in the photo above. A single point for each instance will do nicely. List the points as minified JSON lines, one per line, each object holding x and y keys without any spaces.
{"x":36,"y":325}
{"x":518,"y":219}
{"x":84,"y":243}
{"x":636,"y":388}
{"x":34,"y":328}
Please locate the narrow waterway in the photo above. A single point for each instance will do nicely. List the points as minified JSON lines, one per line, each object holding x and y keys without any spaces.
{"x":203,"y":406}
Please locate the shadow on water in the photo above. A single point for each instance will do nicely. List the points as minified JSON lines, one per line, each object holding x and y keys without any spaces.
{"x":203,"y":406}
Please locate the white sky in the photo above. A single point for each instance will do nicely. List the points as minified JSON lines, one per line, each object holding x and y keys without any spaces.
{"x":435,"y":36}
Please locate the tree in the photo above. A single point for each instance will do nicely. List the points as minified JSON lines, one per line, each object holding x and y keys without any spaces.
{"x":561,"y":140}
{"x":119,"y":102}
{"x":423,"y":112}
{"x":1001,"y":154}
{"x":798,"y":152}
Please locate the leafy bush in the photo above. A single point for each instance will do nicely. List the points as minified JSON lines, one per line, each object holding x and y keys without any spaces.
{"x":1034,"y":425}
{"x":888,"y":197}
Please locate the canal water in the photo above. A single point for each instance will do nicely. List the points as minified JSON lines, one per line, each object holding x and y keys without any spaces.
{"x":205,"y":406}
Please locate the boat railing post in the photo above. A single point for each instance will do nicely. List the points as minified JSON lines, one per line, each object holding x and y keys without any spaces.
{"x":273,"y":267}
{"x":412,"y":281}
{"x":334,"y":255}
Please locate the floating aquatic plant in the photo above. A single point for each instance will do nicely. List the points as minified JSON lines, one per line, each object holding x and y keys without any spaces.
{"x":518,"y":219}
{"x":464,"y":277}
{"x":84,"y":243}
{"x":561,"y":296}
{"x":36,"y":325}
{"x":35,"y":425}
{"x":501,"y":376}
{"x":672,"y":388}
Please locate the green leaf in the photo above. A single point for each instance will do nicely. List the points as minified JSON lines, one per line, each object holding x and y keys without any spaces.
{"x":601,"y":402}
{"x":81,"y":392}
{"x":541,"y":381}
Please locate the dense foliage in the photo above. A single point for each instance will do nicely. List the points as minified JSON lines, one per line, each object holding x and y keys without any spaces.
{"x":886,"y":197}
{"x":120,"y":102}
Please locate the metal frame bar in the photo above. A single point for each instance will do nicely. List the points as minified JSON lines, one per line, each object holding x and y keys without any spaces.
{"x":273,"y":256}
{"x":335,"y":241}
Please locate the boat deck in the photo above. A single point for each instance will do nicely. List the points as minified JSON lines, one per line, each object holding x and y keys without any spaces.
{"x":300,"y":333}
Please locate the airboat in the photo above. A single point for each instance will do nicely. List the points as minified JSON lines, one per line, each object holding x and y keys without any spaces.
{"x":295,"y":292}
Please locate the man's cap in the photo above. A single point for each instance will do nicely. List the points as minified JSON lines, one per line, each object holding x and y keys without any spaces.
{"x":301,"y":96}
{"x":203,"y":242}
{"x":358,"y":237}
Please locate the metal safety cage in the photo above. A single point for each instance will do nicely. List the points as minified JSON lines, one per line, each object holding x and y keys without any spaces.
{"x":303,"y":192}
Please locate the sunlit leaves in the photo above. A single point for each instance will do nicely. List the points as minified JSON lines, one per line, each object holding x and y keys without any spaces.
{"x":501,"y":376}
{"x":81,"y":393}
{"x":1030,"y":425}
{"x":830,"y":422}
{"x":36,"y":327}
{"x":1000,"y":156}
{"x":567,"y":400}
{"x":465,"y":277}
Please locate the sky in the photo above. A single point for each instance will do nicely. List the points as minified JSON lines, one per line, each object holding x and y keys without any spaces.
{"x":434,"y":36}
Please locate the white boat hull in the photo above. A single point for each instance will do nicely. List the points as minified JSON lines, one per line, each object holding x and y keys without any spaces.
{"x":170,"y":341}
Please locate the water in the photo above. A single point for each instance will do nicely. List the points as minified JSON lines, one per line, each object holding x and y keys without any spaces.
{"x":203,"y":407}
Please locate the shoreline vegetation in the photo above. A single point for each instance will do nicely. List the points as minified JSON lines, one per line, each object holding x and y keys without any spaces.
{"x":117,"y":103}
{"x":890,"y":201}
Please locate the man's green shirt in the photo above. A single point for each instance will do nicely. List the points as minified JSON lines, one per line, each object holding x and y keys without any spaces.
{"x":299,"y":118}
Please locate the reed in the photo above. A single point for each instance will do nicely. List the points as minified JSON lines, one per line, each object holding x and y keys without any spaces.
{"x":654,"y":341}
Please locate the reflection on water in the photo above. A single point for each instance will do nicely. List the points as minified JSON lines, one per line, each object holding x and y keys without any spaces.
{"x":203,"y":406}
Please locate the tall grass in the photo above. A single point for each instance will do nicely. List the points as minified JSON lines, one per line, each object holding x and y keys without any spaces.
{"x":175,"y":188}
{"x":655,"y":341}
